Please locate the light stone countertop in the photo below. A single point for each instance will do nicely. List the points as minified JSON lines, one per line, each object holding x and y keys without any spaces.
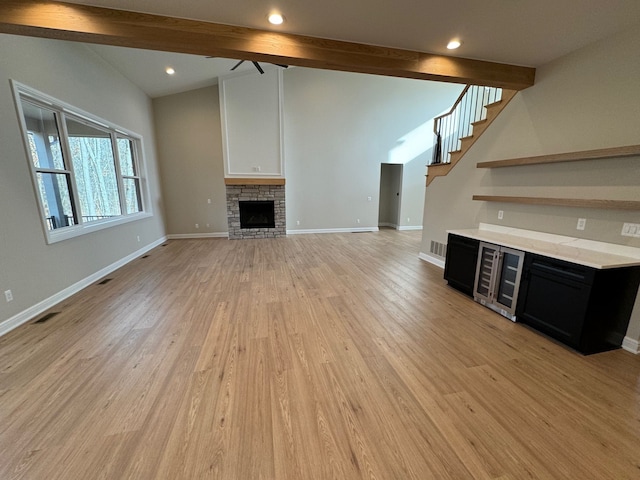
{"x":589,"y":253}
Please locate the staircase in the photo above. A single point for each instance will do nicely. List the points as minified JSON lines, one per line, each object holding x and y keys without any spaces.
{"x":457,"y":130}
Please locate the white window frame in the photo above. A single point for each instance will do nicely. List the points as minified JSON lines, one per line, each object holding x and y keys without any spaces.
{"x":64,"y":110}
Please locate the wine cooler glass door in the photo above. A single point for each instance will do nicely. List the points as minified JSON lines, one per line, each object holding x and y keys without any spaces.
{"x":509,"y":279}
{"x":486,"y":272}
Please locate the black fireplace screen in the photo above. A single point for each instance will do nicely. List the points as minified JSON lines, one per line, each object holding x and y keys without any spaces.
{"x":258,"y":214}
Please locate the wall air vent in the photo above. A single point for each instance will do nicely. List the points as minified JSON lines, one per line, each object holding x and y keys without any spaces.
{"x":439,"y":249}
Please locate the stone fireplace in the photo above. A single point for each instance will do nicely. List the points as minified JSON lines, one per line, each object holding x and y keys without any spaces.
{"x":256,"y":192}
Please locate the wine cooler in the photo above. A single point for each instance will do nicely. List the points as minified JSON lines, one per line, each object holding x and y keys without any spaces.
{"x":498,"y":278}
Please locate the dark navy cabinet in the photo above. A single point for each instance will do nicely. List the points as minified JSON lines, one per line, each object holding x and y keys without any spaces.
{"x":460,"y":266}
{"x":585,"y":308}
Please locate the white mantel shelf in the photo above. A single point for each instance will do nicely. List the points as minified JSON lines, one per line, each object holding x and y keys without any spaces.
{"x":254,"y":181}
{"x":589,"y":253}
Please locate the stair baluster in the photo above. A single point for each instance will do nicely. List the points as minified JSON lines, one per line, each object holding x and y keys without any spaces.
{"x":456,"y":130}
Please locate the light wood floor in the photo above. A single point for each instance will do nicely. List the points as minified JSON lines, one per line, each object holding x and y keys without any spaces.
{"x":308,"y":357}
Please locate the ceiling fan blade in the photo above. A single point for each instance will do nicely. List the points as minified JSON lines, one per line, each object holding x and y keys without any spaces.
{"x":257,"y":65}
{"x":237,"y":65}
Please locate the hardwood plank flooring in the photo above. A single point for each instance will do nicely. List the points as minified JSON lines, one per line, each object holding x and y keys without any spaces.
{"x":336,"y":356}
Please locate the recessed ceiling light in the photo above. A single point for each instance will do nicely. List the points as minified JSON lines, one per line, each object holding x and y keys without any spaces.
{"x":453,"y":44}
{"x":276,"y":19}
{"x":170,"y":71}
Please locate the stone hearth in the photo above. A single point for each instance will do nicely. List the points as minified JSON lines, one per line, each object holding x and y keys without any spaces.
{"x":255,"y":192}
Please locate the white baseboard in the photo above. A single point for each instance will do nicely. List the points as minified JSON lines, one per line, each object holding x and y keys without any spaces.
{"x":182,"y":236}
{"x":47,"y":303}
{"x":333,"y":230}
{"x":400,"y":227}
{"x":437,"y":261}
{"x":631,"y":345}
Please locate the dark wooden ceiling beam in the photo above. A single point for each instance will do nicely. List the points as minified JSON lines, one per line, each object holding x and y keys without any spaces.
{"x":84,"y":23}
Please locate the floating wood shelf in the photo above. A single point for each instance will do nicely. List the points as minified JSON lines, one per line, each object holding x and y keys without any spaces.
{"x":616,"y":152}
{"x":564,"y":202}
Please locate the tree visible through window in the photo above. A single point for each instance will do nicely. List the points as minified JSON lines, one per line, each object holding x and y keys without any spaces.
{"x":84,"y":172}
{"x":130,"y":177}
{"x":52,"y":176}
{"x":95,"y":171}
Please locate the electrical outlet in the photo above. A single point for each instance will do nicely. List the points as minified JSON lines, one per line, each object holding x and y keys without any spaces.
{"x":197,"y":225}
{"x":500,"y":214}
{"x":631,"y":230}
{"x":208,"y":200}
{"x":297,"y":222}
{"x":358,"y":220}
{"x":138,"y":237}
{"x":582,"y":222}
{"x":368,"y":199}
{"x":8,"y":295}
{"x":207,"y":225}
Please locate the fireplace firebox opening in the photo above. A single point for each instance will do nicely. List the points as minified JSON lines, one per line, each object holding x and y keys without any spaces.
{"x":257,"y":214}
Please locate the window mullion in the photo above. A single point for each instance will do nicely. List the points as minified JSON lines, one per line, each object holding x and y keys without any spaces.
{"x":66,"y":154}
{"x":118,"y":166}
{"x":73,"y":179}
{"x":136,"y":170}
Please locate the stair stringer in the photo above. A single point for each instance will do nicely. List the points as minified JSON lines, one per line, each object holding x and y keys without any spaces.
{"x":479,"y":127}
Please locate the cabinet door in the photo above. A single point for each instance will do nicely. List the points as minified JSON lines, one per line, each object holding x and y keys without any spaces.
{"x":487,"y":272}
{"x":509,"y":279}
{"x":460,"y":266}
{"x":554,"y":300}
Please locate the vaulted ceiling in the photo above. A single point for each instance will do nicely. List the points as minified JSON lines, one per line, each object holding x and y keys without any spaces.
{"x":513,"y":32}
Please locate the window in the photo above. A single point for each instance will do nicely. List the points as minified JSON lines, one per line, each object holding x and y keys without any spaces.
{"x":86,"y":172}
{"x":130,"y":178}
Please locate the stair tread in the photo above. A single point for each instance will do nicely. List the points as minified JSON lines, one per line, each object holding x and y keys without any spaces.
{"x":479,"y":126}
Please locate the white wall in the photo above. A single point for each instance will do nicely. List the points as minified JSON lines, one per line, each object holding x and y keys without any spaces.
{"x":339,"y":128}
{"x":587,"y":100}
{"x":413,"y":190}
{"x":33,"y":270}
{"x":410,"y":184}
{"x":190,"y":156}
{"x":251,"y":117}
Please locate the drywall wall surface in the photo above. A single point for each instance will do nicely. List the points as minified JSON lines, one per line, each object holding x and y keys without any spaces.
{"x":251,"y":114}
{"x":70,"y":72}
{"x":339,"y":128}
{"x":584,"y":101}
{"x":413,"y":190}
{"x":587,"y":100}
{"x":190,"y":159}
